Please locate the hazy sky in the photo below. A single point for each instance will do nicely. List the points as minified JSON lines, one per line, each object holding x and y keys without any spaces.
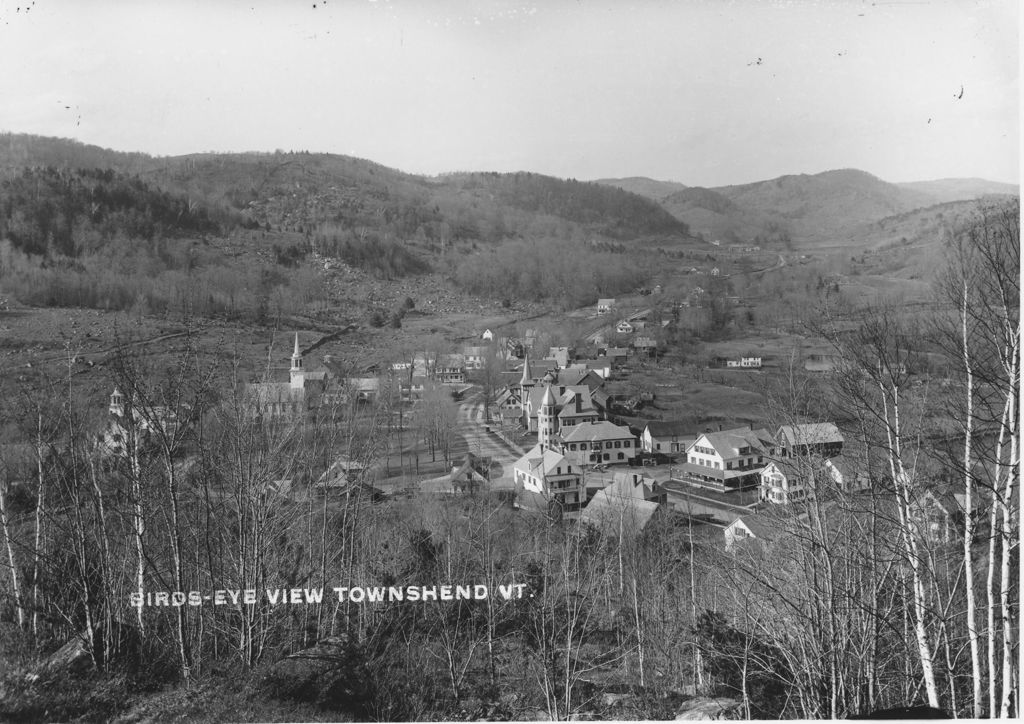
{"x":704,"y":93}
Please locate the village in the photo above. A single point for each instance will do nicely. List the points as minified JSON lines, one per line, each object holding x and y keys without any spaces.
{"x":540,"y":430}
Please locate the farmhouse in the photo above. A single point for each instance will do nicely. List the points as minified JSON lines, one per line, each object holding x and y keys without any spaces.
{"x":605,"y":305}
{"x":624,"y":327}
{"x":487,"y":335}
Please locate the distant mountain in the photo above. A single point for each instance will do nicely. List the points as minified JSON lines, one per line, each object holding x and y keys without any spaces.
{"x":961,"y":189}
{"x":813,"y":210}
{"x":643,"y":186}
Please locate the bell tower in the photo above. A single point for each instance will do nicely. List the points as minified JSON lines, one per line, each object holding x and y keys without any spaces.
{"x":546,"y":420}
{"x":117,"y":403}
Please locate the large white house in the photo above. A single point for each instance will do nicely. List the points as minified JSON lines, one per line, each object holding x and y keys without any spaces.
{"x":547,"y":472}
{"x":729,"y":459}
{"x":598,"y":442}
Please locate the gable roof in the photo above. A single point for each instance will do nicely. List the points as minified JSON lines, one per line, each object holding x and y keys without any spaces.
{"x":672,"y":428}
{"x":758,"y":525}
{"x":600,"y":430}
{"x":619,"y":508}
{"x":811,"y":433}
{"x":538,"y":463}
{"x":728,"y":442}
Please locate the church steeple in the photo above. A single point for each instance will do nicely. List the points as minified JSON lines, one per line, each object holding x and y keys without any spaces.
{"x":527,"y":379}
{"x":298,"y":377}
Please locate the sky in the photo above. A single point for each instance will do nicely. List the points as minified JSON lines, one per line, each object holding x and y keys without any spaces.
{"x":702,"y":92}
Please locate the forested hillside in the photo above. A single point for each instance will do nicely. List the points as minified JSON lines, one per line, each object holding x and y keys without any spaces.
{"x":234,"y":233}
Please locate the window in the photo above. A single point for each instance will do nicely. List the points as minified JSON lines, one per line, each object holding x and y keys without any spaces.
{"x":622,"y":456}
{"x":618,"y":444}
{"x":718,"y":466}
{"x":607,"y":456}
{"x":572,"y":446}
{"x":626,"y":443}
{"x":728,"y":466}
{"x":558,"y":470}
{"x":658,"y":446}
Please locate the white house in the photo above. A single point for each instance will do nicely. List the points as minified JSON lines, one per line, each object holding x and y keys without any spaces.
{"x":784,"y":482}
{"x":551,"y":474}
{"x":729,"y":459}
{"x":667,"y":436}
{"x":605,"y":305}
{"x":598,"y":442}
{"x":624,"y":327}
{"x":754,"y":362}
{"x":487,"y":335}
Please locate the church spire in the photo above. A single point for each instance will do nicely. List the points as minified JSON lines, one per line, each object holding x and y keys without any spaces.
{"x":527,"y":379}
{"x":298,"y":377}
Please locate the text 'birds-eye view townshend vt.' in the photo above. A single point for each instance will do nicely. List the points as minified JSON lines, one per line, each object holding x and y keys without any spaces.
{"x":480,"y":360}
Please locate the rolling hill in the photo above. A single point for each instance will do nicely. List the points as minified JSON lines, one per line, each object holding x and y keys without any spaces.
{"x":961,"y":189}
{"x":643,"y":186}
{"x":305,"y":192}
{"x":824,"y":209}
